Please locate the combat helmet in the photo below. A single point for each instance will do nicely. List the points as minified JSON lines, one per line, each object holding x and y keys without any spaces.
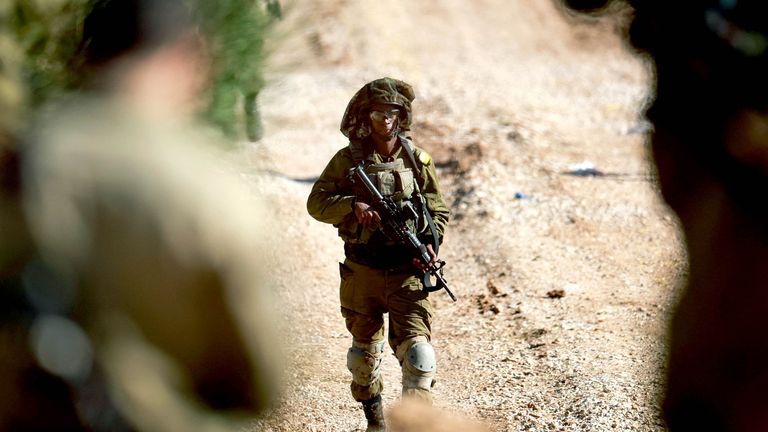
{"x":354,"y":124}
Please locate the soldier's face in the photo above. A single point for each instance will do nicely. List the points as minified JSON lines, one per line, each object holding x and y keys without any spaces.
{"x":384,"y":119}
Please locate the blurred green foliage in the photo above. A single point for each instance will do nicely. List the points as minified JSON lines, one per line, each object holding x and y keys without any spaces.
{"x":235,"y":30}
{"x":47,"y":34}
{"x":12,"y":96}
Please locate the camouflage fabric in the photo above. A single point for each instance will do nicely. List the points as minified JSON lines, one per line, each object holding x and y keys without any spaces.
{"x":354,"y":123}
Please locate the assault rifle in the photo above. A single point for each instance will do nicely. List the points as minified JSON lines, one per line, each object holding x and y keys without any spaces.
{"x":393,"y":225}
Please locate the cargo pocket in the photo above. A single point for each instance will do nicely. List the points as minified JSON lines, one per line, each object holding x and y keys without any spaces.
{"x":410,"y":308}
{"x":347,"y":287}
{"x":415,"y":289}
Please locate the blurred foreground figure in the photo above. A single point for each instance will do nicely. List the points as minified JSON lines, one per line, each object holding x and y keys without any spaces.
{"x":413,"y":415}
{"x":710,"y":146}
{"x":130,"y":292}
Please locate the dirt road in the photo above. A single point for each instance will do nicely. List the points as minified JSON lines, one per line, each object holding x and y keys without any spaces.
{"x":564,"y":282}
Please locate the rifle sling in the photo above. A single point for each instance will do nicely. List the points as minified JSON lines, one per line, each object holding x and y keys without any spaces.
{"x":405,"y":142}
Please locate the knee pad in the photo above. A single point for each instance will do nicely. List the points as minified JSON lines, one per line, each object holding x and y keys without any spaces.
{"x":419,"y":364}
{"x":364,"y":361}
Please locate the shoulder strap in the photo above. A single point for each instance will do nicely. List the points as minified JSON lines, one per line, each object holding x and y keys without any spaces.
{"x":407,"y":146}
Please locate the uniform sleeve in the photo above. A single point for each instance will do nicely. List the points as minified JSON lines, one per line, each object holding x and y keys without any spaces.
{"x":329,"y":201}
{"x":434,"y":198}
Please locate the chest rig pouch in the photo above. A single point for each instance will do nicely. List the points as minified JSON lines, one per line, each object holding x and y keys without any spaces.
{"x":392,"y":179}
{"x":396,"y":181}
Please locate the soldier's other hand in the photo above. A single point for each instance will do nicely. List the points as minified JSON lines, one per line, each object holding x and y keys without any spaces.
{"x":366,"y":215}
{"x":424,"y":267}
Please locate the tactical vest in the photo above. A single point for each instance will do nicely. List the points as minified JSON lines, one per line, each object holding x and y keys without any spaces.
{"x":394,"y":180}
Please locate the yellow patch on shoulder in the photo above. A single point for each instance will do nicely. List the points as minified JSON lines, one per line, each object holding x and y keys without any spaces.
{"x":424,"y":157}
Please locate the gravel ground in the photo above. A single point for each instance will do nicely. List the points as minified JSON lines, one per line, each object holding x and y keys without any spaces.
{"x":565,"y":282}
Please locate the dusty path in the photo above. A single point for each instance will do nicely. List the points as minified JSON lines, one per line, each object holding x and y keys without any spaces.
{"x":509,"y":96}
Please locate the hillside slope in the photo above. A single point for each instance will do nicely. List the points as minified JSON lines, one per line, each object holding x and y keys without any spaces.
{"x":564,"y":282}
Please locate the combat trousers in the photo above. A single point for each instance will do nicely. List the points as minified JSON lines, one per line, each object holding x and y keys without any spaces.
{"x":366,"y":295}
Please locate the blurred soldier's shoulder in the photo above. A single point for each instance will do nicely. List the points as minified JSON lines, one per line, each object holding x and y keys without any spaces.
{"x":161,"y":231}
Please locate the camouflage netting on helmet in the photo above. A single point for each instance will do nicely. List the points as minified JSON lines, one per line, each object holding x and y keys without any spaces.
{"x":391,"y":91}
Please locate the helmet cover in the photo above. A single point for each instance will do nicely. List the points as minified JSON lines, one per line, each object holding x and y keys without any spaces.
{"x":385,"y":90}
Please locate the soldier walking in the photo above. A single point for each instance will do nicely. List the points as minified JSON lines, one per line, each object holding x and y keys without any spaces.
{"x":379,"y":277}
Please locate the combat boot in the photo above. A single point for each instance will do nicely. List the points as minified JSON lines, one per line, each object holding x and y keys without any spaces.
{"x":374,"y":413}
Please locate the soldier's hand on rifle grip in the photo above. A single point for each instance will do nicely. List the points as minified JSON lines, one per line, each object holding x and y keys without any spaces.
{"x":366,"y":215}
{"x":424,"y":267}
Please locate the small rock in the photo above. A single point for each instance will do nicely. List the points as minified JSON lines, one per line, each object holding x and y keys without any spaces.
{"x":556,"y":293}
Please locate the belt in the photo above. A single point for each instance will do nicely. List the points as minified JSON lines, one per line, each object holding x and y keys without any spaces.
{"x":378,"y":256}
